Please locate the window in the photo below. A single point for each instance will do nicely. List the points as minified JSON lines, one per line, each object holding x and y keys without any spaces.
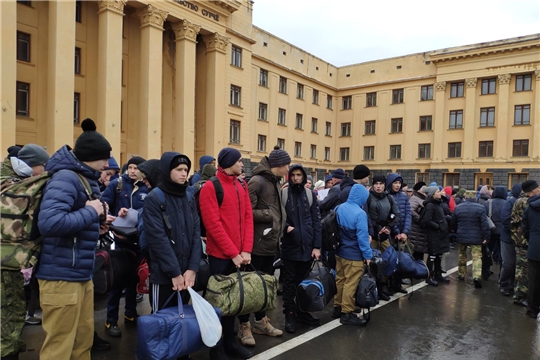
{"x":485,"y":149}
{"x":397,"y":125}
{"x":300,"y":91}
{"x":316,"y":97}
{"x":282,"y":115}
{"x":328,"y":131}
{"x":261,"y":143}
{"x":369,"y":152}
{"x":281,"y":143}
{"x":395,"y":151}
{"x":426,"y":93}
{"x":327,"y":153}
{"x":425,"y":123}
{"x":517,"y":178}
{"x":370,"y":127}
{"x":263,"y":111}
{"x":329,"y":102}
{"x":451,"y":179}
{"x":344,"y":154}
{"x":297,"y":148}
{"x":313,"y":151}
{"x":456,"y":119}
{"x":23,"y":46}
{"x":236,"y":56}
{"x":235,"y":95}
{"x":314,"y":122}
{"x":523,"y":82}
{"x":234,"y":132}
{"x":371,"y":99}
{"x":424,"y":151}
{"x":521,"y":148}
{"x":263,"y":78}
{"x":422,"y":177}
{"x":456,"y":89}
{"x":522,"y":115}
{"x":487,"y":117}
{"x":454,"y":150}
{"x":78,"y":11}
{"x":76,"y":108}
{"x":23,"y":99}
{"x":347,"y":102}
{"x":282,"y":85}
{"x":299,"y":120}
{"x":346,"y":129}
{"x":488,"y":86}
{"x":78,"y":61}
{"x":397,"y":96}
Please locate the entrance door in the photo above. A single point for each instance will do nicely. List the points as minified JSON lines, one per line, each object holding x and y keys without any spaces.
{"x":483,"y":179}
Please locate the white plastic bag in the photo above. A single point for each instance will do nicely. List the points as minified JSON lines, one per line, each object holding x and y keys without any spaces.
{"x":207,"y":318}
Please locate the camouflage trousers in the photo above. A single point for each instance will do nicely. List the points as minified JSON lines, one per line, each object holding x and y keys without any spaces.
{"x":476,"y":252}
{"x":522,"y":275}
{"x":13,"y":312}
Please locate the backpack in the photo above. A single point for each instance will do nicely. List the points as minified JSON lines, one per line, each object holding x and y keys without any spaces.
{"x":103,"y":272}
{"x":330,"y":230}
{"x":21,"y":242}
{"x":285,"y":196}
{"x":367,"y":295}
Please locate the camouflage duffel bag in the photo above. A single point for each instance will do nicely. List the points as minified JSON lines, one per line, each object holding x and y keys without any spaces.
{"x":242,"y":292}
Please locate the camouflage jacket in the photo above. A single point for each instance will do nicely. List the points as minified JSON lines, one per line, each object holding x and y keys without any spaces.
{"x":7,"y":170}
{"x":517,"y":215}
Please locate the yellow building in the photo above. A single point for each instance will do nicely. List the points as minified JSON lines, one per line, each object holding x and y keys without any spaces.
{"x":196,"y":76}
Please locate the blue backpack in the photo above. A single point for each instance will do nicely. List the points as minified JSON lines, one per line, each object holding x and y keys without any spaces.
{"x":143,"y":243}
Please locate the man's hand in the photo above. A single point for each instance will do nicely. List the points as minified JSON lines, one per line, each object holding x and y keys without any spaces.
{"x":289,"y":229}
{"x":238,"y":260}
{"x":484,"y":242}
{"x":368,"y":262}
{"x":370,"y":239}
{"x":385,"y":230}
{"x":203,"y":239}
{"x":247,"y":257}
{"x":178,"y":283}
{"x":97,"y":205}
{"x":109,"y":219}
{"x":123,"y":212}
{"x":189,"y":278}
{"x":103,"y":229}
{"x":316,"y":253}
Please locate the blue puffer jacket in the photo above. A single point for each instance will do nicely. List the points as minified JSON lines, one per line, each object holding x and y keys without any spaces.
{"x":172,"y":259}
{"x":506,"y":214}
{"x":70,"y":229}
{"x":497,"y":201}
{"x":531,"y":227}
{"x":469,"y":222}
{"x":404,"y":224}
{"x":131,"y":196}
{"x":353,"y":226}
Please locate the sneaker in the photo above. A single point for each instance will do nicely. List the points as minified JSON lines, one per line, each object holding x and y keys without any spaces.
{"x":139,"y":298}
{"x":263,"y":327}
{"x":351,"y":319}
{"x":290,"y":323}
{"x":244,"y":334}
{"x":336,"y":314}
{"x":32,"y":320}
{"x":113,"y":330}
{"x":131,"y":320}
{"x":99,"y":344}
{"x":307,"y":318}
{"x":477,"y":283}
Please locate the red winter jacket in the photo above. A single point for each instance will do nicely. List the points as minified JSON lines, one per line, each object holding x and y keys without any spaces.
{"x":229,"y":228}
{"x":451,"y":201}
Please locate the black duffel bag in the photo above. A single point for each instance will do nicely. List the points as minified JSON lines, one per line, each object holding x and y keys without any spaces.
{"x":317,"y":289}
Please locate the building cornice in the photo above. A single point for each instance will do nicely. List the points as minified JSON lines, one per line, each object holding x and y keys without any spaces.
{"x":241,"y":36}
{"x":229,"y":5}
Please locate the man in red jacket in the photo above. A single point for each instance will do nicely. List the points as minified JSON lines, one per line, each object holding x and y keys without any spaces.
{"x":229,"y":233}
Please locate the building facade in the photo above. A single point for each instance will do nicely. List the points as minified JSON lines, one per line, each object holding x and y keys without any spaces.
{"x":196,"y":76}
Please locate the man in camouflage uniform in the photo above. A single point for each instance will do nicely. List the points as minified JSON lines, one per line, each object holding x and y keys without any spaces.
{"x":29,"y":162}
{"x":522,"y":267}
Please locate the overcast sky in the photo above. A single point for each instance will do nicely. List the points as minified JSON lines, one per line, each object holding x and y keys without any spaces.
{"x":344,"y":32}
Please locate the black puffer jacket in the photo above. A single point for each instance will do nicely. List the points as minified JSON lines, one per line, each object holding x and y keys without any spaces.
{"x":469,"y":222}
{"x":497,"y":201}
{"x":436,"y":225}
{"x":383,"y":211}
{"x":417,"y":236}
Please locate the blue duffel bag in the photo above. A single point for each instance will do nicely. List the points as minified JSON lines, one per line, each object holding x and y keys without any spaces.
{"x":391,"y":260}
{"x":410,"y":268}
{"x":170,"y":333}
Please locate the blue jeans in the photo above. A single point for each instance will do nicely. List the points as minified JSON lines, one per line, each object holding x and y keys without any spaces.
{"x":113,"y":305}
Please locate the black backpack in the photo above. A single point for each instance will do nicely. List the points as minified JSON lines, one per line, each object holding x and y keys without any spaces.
{"x":330,"y":230}
{"x":366,"y":293}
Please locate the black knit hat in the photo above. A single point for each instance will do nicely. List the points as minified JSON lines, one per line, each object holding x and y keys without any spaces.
{"x":379,"y":178}
{"x":136,"y":160}
{"x":360,"y":172}
{"x":13,"y":151}
{"x":529,"y":186}
{"x":91,"y":145}
{"x":180,"y":159}
{"x":278,"y":157}
{"x":338,"y":174}
{"x":228,"y":156}
{"x":418,"y":185}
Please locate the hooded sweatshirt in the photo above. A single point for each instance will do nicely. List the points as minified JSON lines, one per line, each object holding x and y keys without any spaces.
{"x":150,"y":168}
{"x":451,"y":202}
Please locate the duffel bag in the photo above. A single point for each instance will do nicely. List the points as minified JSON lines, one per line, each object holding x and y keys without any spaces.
{"x":317,"y":289}
{"x":410,"y":268}
{"x":169,"y":333}
{"x":390,"y":259}
{"x":242,"y":292}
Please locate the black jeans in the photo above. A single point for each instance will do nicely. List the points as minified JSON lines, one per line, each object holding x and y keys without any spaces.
{"x":533,"y":295}
{"x":264,"y":264}
{"x":293,"y":273}
{"x":224,"y":267}
{"x":508,"y":269}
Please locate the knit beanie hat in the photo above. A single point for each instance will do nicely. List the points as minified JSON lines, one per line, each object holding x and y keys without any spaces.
{"x":228,"y":156}
{"x":180,"y":159}
{"x":328,"y":178}
{"x":418,"y":185}
{"x":113,"y":165}
{"x":278,"y":157}
{"x":33,"y":155}
{"x":13,"y":151}
{"x":136,"y":160}
{"x":319,"y":185}
{"x":379,"y":178}
{"x":310,"y":178}
{"x":469,"y":194}
{"x":430,"y":190}
{"x":338,"y":174}
{"x":527,"y":186}
{"x":360,"y":172}
{"x":91,"y":145}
